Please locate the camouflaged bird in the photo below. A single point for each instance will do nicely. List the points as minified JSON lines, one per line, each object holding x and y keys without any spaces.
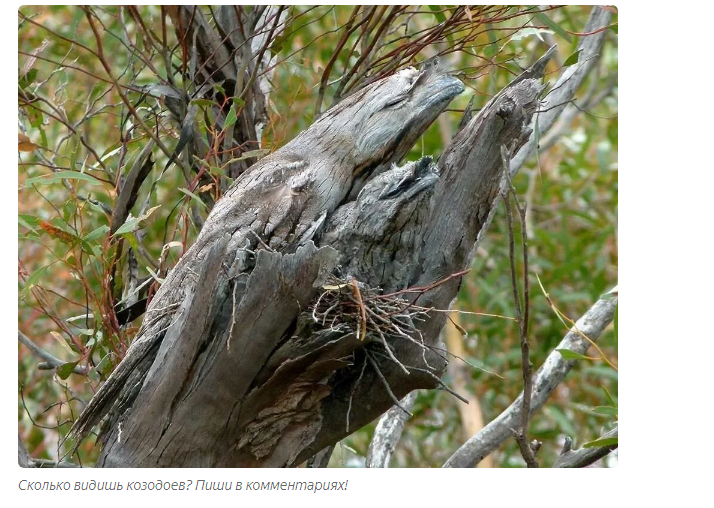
{"x":382,"y":228}
{"x":283,"y":201}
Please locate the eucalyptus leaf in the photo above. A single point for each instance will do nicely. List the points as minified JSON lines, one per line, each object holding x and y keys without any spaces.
{"x":572,"y":355}
{"x":543,"y":18}
{"x":59,"y":176}
{"x":607,"y":441}
{"x":64,"y":370}
{"x":572,"y":59}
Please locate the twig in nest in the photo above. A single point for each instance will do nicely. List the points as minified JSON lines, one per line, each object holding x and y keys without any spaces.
{"x":468,"y":362}
{"x":387,"y":348}
{"x":363,"y":316}
{"x":443,"y":385}
{"x":261,"y":242}
{"x":352,"y":392}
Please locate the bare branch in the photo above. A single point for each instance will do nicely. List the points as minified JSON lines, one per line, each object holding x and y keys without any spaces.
{"x":50,"y":361}
{"x":583,"y":457}
{"x":568,"y":83}
{"x":521,"y":434}
{"x":551,"y":373}
{"x":389,"y":430}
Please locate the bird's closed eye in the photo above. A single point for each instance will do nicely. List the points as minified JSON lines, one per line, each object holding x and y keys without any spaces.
{"x":397,"y":99}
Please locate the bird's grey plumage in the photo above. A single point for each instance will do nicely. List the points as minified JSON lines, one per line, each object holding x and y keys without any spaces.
{"x":382,"y":226}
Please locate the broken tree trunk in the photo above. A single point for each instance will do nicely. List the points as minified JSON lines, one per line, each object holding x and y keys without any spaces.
{"x":287,"y":326}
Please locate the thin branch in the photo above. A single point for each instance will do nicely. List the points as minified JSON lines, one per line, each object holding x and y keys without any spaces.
{"x":388,"y":432}
{"x":521,"y":435}
{"x":568,"y":83}
{"x":375,"y":366}
{"x":49,"y":360}
{"x":551,"y":373}
{"x":583,"y":457}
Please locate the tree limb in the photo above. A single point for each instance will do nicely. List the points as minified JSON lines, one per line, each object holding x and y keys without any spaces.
{"x":551,"y":373}
{"x":567,"y":85}
{"x":388,"y":432}
{"x":583,"y":457}
{"x":50,"y":361}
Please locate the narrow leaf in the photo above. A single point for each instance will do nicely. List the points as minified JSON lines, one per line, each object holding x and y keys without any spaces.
{"x":59,"y":176}
{"x":553,"y":26}
{"x":572,"y":59}
{"x":609,"y":397}
{"x":194,"y":197}
{"x":58,"y":337}
{"x":34,"y":279}
{"x":231,"y":117}
{"x":100,"y":231}
{"x":605,"y":410}
{"x":607,"y":441}
{"x":572,"y":355}
{"x":129,"y":225}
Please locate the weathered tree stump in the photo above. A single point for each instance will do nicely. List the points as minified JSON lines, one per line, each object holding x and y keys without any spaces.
{"x":269,"y":340}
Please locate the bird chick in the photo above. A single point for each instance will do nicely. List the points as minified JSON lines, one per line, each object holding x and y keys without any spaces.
{"x":378,"y":235}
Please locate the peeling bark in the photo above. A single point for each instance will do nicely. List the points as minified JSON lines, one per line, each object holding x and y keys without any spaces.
{"x":224,"y":337}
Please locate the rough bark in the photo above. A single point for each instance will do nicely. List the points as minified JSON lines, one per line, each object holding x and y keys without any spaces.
{"x":470,"y":172}
{"x":231,"y":366}
{"x":388,"y":432}
{"x":219,"y":339}
{"x":584,"y":457}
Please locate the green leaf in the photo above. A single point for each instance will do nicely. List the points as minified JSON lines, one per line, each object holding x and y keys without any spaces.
{"x":64,"y":370}
{"x":104,"y":362}
{"x":571,"y":355}
{"x":111,"y":152}
{"x":203,"y":102}
{"x":606,"y":441}
{"x":24,"y":222}
{"x":194,"y":197}
{"x":33,"y":280}
{"x":100,"y":231}
{"x":553,"y":26}
{"x":572,"y":59}
{"x":605,"y":410}
{"x":73,"y":155}
{"x":132,"y":223}
{"x":129,"y":225}
{"x":35,"y":117}
{"x":43,"y":136}
{"x":231,"y":117}
{"x":59,"y":176}
{"x":492,"y":49}
{"x":438,"y":12}
{"x":28,"y":78}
